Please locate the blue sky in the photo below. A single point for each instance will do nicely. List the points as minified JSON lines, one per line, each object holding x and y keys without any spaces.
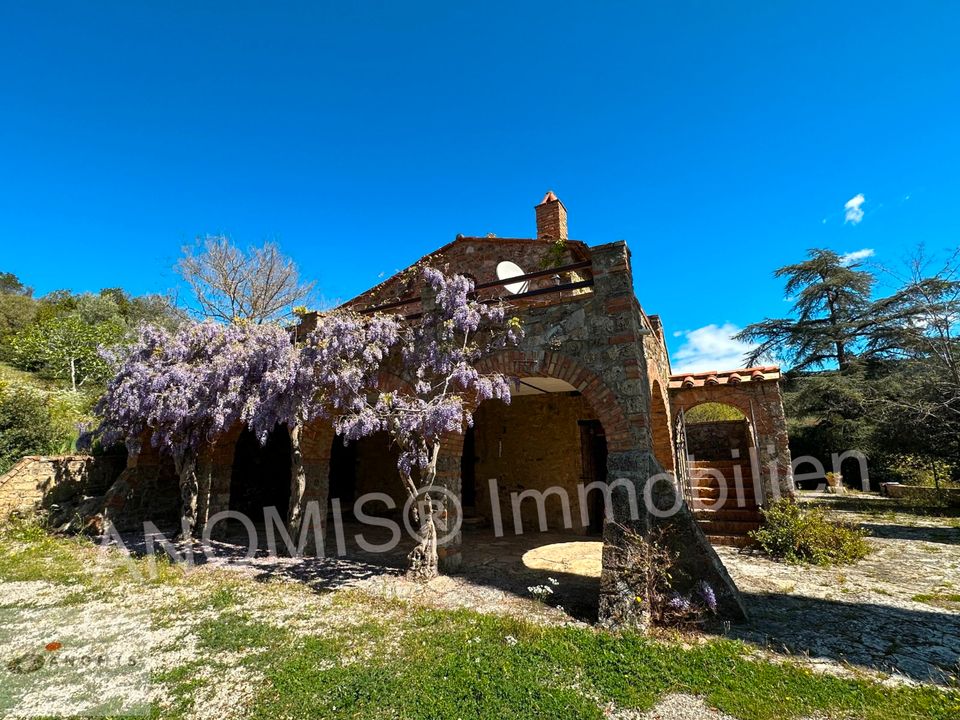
{"x":720,"y":139}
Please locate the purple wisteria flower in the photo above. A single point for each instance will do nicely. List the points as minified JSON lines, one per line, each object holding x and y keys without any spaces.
{"x":184,"y":389}
{"x":678,"y":603}
{"x":706,"y":593}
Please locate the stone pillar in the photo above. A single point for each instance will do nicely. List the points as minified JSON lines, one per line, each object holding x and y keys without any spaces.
{"x":664,"y":517}
{"x":315,"y":445}
{"x":148,"y":489}
{"x":448,"y":477}
{"x":640,"y":486}
{"x":776,"y":466}
{"x":218,"y":467}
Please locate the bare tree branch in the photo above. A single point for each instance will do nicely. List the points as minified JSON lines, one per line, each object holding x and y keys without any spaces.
{"x":259,"y":285}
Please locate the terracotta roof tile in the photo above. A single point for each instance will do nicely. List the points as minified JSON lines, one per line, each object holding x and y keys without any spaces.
{"x":762,"y":373}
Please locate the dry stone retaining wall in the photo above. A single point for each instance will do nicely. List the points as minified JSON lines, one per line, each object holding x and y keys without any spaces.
{"x":38,"y":482}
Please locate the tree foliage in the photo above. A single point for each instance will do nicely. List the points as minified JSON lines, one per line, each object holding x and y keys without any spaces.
{"x":58,"y":335}
{"x":26,"y":426}
{"x":17,"y":308}
{"x":66,"y":348}
{"x":877,"y":374}
{"x":830,"y":312}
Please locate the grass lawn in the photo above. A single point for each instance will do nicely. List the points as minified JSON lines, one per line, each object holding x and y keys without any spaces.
{"x":224,"y":645}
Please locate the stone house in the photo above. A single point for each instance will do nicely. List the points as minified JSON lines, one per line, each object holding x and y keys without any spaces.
{"x":594,"y":401}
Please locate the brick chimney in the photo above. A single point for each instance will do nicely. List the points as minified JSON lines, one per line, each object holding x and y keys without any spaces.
{"x":551,"y":218}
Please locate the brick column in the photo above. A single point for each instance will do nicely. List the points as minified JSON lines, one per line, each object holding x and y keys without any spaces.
{"x":640,"y":485}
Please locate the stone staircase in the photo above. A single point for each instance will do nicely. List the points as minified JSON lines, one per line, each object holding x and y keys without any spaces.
{"x":729,"y":522}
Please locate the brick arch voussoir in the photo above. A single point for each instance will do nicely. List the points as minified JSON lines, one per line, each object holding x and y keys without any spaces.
{"x":738,"y":398}
{"x":597,"y":393}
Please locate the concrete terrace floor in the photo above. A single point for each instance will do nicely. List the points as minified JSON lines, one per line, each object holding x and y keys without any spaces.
{"x":893,"y":614}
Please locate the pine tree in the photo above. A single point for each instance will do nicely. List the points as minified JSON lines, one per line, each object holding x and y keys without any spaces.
{"x":830,"y":315}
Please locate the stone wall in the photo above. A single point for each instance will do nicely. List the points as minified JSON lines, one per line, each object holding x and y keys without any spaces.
{"x":37,"y":483}
{"x":715,"y":440}
{"x":531,"y":444}
{"x":147,"y":489}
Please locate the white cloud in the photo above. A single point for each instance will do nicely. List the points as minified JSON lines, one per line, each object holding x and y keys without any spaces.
{"x":711,"y":347}
{"x":854,"y":213}
{"x":852,"y":257}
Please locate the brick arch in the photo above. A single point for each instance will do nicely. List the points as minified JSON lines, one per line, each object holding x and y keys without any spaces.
{"x":765,"y":419}
{"x":601,"y":398}
{"x":745,"y":412}
{"x":661,"y":426}
{"x":688,"y":399}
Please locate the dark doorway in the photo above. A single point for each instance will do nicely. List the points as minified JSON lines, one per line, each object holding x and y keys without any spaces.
{"x":343,"y":474}
{"x":261,"y":474}
{"x":593,"y":455}
{"x":468,"y":473}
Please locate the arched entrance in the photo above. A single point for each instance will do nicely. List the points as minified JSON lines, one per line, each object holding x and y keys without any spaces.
{"x":717,"y":431}
{"x":525,"y":464}
{"x":719,"y":442}
{"x":260,"y":476}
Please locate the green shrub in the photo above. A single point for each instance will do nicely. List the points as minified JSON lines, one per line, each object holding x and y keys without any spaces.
{"x":26,"y":427}
{"x":914,"y":470}
{"x":805,"y":535}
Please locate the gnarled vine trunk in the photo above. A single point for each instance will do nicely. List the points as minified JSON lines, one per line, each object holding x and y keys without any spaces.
{"x":298,"y":481}
{"x":204,"y":486}
{"x":423,"y":560}
{"x":185,"y":463}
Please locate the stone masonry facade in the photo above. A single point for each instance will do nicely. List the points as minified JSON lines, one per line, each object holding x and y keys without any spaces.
{"x":585,"y":329}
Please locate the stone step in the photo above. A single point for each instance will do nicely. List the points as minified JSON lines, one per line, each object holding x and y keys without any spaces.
{"x":744,"y":469}
{"x":744,"y":512}
{"x":729,"y":483}
{"x":725,"y":472}
{"x":743,"y":462}
{"x":739,"y":541}
{"x":724,"y":527}
{"x":712,"y":493}
{"x":731,"y":501}
{"x":728,"y":514}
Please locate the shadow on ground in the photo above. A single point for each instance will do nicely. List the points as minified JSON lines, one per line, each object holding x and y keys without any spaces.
{"x":923,"y":646}
{"x":498,"y":574}
{"x":949,"y":536}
